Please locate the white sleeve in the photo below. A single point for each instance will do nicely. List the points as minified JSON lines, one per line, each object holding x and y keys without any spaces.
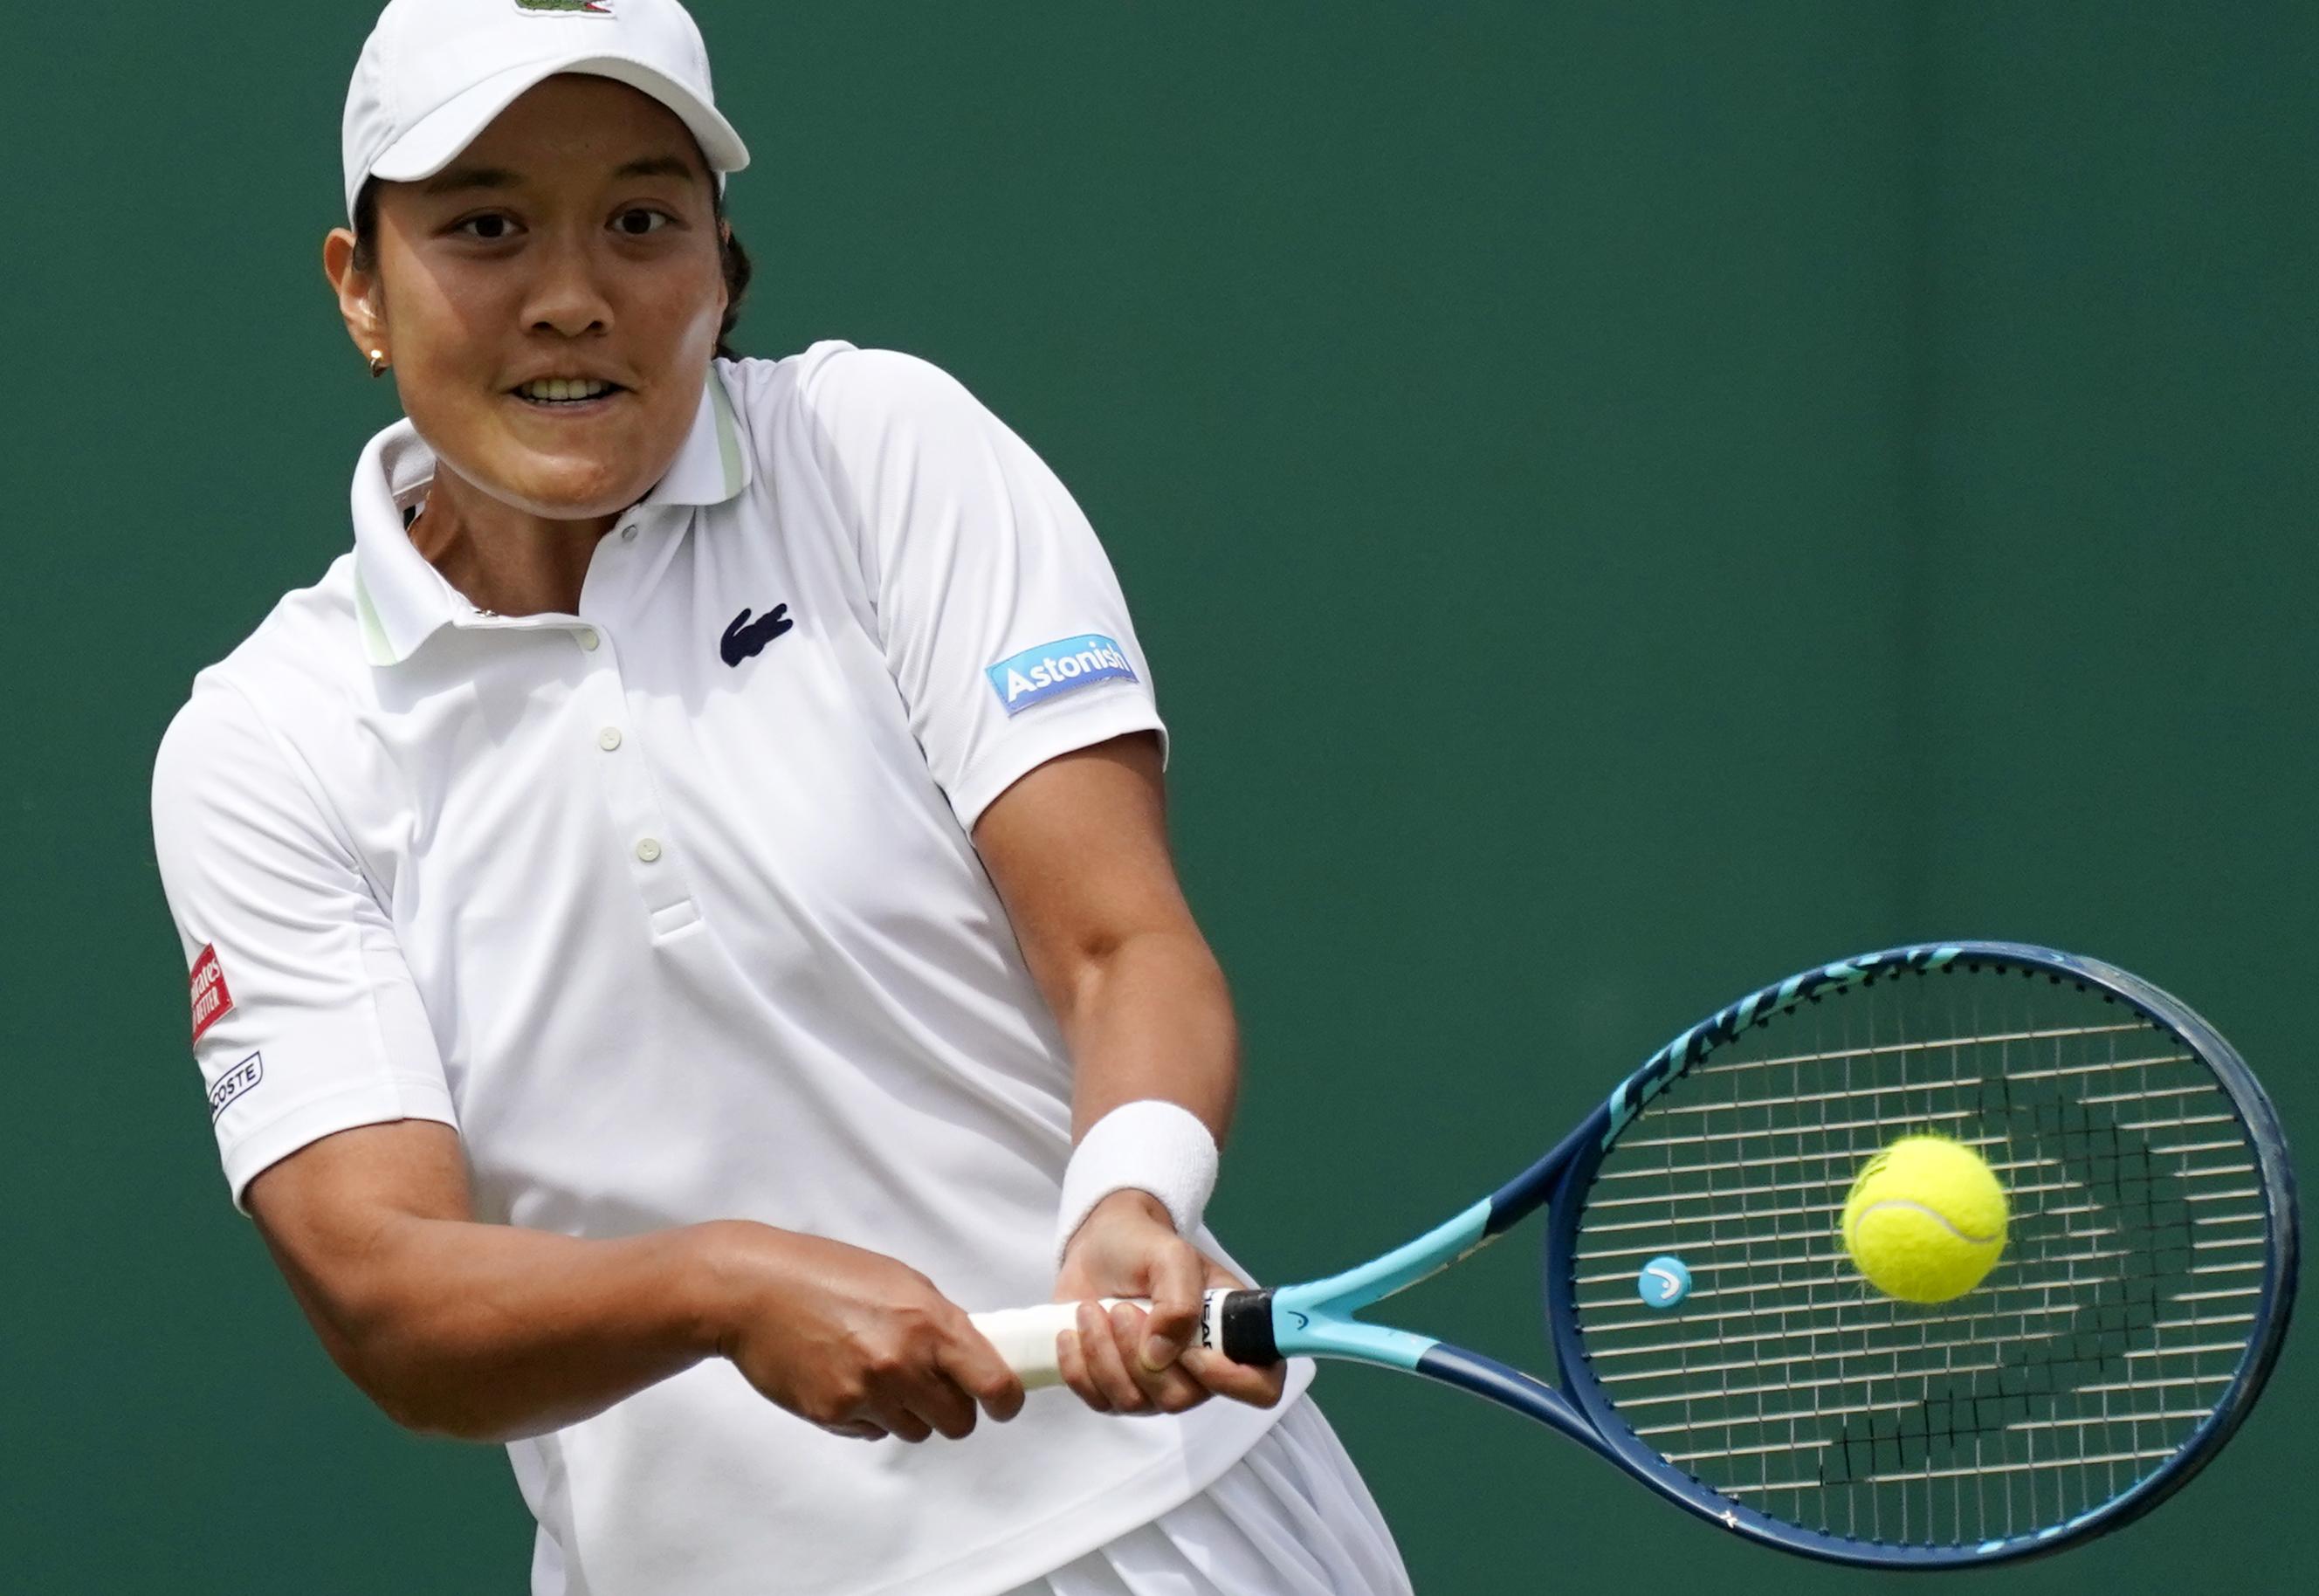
{"x":305,"y":1018}
{"x":999,"y":615}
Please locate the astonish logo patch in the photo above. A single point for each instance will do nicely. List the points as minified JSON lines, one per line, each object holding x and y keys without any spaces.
{"x":212,"y":1001}
{"x":1038,"y":674}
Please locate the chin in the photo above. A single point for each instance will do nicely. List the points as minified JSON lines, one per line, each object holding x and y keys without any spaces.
{"x":569,"y":489}
{"x":579,"y":470}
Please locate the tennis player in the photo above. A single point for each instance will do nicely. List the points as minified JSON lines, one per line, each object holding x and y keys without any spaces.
{"x":680,"y":914}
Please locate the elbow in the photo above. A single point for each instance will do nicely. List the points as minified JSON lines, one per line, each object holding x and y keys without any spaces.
{"x":397,"y":1387}
{"x":409,"y":1408}
{"x":430,"y":1404}
{"x":457,"y":1426}
{"x":432,"y":1362}
{"x":400,"y":1366}
{"x":1103,"y":965}
{"x":405,"y":1402}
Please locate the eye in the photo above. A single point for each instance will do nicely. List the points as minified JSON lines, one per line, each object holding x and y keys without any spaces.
{"x":636,"y":222}
{"x":489,"y":228}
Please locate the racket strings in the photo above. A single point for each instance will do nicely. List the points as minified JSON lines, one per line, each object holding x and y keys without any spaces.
{"x":2118,"y":1312}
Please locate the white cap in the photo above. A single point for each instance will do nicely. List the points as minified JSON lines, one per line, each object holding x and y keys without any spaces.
{"x":434,"y":73}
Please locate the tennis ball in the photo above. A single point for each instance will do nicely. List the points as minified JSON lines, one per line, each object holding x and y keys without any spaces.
{"x":1925,"y":1220}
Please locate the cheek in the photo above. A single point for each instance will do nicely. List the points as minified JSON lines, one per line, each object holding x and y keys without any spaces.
{"x":696,"y":333}
{"x":444,"y":329}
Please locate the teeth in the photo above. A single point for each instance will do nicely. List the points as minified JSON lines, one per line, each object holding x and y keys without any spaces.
{"x":564,"y":389}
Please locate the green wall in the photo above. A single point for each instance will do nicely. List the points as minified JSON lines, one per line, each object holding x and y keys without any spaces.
{"x":1622,"y":500}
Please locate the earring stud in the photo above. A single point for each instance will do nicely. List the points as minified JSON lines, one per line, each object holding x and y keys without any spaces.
{"x":378,"y":362}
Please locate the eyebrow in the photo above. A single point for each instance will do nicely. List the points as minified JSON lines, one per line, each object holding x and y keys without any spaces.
{"x":464,"y":179}
{"x":459,"y":179}
{"x":657,"y":166}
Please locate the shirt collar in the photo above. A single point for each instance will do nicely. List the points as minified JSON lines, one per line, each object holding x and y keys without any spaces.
{"x":401,"y":600}
{"x":710,"y":465}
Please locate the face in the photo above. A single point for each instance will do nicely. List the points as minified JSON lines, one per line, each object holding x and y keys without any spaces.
{"x":550,"y":300}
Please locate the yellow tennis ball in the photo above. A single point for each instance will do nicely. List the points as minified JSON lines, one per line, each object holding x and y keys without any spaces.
{"x":1925,"y":1220}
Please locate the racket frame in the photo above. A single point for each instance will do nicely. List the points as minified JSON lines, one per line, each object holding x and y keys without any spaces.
{"x":1318,"y":1318}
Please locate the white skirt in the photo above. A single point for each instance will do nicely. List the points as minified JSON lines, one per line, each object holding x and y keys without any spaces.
{"x":1291,"y":1517}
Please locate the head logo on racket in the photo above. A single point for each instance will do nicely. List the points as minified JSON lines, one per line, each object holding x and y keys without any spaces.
{"x":1664,"y":1282}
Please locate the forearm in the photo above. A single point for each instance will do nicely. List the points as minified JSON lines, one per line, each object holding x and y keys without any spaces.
{"x":1151,"y":1020}
{"x":1150,"y":1016}
{"x":490,"y":1332}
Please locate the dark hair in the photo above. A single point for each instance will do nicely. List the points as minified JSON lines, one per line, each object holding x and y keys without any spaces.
{"x":734,"y":258}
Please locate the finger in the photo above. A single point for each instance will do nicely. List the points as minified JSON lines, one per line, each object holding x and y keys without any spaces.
{"x":1223,"y":1279}
{"x":1176,"y":1275}
{"x":1258,"y":1385}
{"x":1099,"y":1344}
{"x":857,"y":1430}
{"x":938,"y":1400}
{"x":902,"y":1424}
{"x":1168,"y":1389}
{"x":969,"y":1358}
{"x":1072,"y":1366}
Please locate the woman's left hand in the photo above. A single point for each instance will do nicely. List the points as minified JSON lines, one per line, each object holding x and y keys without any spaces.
{"x":1131,"y":1361}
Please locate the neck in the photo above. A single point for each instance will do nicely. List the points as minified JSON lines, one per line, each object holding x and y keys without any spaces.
{"x":500,"y":558}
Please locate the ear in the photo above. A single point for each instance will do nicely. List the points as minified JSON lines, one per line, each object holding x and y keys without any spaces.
{"x":360,"y":305}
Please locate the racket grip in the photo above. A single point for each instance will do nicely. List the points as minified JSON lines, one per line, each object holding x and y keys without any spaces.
{"x":1025,"y":1337}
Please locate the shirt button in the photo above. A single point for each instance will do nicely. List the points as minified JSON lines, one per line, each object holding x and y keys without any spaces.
{"x":628,"y":534}
{"x":609,"y":738}
{"x":587,"y":638}
{"x":648,"y":850}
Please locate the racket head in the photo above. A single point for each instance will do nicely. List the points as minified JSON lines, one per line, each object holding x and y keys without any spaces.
{"x":2129,"y":1235}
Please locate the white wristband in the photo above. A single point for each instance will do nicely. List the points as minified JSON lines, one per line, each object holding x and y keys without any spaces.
{"x":1147,"y":1146}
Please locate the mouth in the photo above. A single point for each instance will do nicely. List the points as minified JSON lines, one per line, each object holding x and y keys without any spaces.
{"x":566,"y":394}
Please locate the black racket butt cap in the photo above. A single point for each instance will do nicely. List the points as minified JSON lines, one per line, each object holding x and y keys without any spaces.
{"x":1246,"y":1329}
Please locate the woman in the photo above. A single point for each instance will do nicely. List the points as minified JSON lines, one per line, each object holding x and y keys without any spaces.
{"x":696,"y":864}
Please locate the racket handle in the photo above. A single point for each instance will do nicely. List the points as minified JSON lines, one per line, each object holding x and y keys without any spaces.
{"x":1025,"y":1337}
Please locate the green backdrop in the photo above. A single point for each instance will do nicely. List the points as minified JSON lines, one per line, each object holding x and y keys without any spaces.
{"x":1622,"y":500}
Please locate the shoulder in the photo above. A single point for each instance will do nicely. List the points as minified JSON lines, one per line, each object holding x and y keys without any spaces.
{"x":845,"y":394}
{"x":299,"y":668}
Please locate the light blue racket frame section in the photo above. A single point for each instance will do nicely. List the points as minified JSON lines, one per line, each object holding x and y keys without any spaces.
{"x":1317,"y":1318}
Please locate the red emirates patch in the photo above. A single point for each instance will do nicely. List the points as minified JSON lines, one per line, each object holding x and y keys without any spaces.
{"x":212,"y":1001}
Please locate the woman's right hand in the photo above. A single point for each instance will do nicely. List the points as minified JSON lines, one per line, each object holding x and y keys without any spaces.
{"x":853,"y":1340}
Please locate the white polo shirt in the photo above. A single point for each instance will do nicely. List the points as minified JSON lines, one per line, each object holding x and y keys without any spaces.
{"x":671,"y":908}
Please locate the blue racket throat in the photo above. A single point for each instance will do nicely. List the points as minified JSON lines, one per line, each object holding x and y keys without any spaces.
{"x":1316,"y":1320}
{"x":1712,"y":1337}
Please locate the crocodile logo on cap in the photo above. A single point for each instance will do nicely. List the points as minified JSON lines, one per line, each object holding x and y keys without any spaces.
{"x":583,"y":7}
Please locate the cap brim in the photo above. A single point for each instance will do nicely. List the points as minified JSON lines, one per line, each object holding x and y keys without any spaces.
{"x":435,"y":140}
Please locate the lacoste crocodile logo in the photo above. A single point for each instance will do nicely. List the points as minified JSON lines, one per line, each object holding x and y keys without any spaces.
{"x":585,"y":7}
{"x":746,"y":640}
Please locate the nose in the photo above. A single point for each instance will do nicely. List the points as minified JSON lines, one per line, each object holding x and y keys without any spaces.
{"x":567,"y":295}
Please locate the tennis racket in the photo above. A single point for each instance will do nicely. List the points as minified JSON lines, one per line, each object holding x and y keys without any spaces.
{"x":2121,"y":1338}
